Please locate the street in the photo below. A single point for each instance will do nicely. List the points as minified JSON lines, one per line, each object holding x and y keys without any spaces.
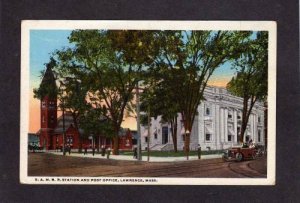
{"x":44,"y":164}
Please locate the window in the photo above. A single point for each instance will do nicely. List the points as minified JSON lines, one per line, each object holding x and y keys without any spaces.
{"x":155,"y":135}
{"x":70,"y":139}
{"x":207,"y":137}
{"x":43,"y":119}
{"x":43,"y":104}
{"x":229,"y":116}
{"x":238,"y":129}
{"x":52,"y":119}
{"x":52,"y":104}
{"x":259,"y":136}
{"x":207,"y":111}
{"x":259,"y":119}
{"x":239,"y":117}
{"x":247,"y":138}
{"x":146,"y":139}
{"x":229,"y":138}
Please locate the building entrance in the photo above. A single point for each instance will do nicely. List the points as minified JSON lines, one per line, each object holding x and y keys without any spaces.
{"x":165,"y":135}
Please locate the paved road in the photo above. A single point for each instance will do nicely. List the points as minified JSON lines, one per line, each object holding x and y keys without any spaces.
{"x":42,"y":164}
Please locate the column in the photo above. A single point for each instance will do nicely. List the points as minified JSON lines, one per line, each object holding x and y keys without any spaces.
{"x":201,"y":136}
{"x":252,"y":126}
{"x":226,"y":126}
{"x":234,"y":125}
{"x":221,"y":127}
{"x":216,"y":122}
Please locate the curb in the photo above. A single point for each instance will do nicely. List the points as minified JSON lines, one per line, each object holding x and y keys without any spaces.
{"x":144,"y":158}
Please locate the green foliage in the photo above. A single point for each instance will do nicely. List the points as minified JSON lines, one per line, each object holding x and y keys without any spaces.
{"x":252,"y":70}
{"x":175,"y":67}
{"x":251,"y":81}
{"x":185,"y":61}
{"x":47,"y":86}
{"x":109,"y":67}
{"x":94,"y":123}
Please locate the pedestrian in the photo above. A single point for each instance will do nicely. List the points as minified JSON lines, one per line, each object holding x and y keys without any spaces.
{"x":69,"y":149}
{"x":102,"y":150}
{"x":93,"y":150}
{"x":199,"y":151}
{"x":85,"y":149}
{"x":135,"y":152}
{"x":108,"y":153}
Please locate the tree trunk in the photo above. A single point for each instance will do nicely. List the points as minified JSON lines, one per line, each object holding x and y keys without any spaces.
{"x":246,"y":115}
{"x":188,"y":127}
{"x":116,"y":145}
{"x":244,"y":119}
{"x":174,"y":133}
{"x":187,"y":144}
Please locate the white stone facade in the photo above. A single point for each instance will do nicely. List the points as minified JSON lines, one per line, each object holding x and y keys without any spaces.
{"x":215,"y":127}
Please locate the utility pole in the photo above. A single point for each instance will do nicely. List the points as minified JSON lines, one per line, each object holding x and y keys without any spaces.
{"x":63,"y":115}
{"x":64,"y":130}
{"x":139,"y":150}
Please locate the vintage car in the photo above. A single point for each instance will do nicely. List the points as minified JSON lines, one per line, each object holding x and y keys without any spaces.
{"x":240,"y":153}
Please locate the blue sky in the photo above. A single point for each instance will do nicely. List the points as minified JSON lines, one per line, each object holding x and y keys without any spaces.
{"x":42,"y":44}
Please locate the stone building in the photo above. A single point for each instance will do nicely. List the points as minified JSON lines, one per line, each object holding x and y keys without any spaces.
{"x":216,"y":126}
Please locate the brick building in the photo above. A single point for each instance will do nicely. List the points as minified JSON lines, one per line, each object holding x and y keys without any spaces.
{"x":52,"y":128}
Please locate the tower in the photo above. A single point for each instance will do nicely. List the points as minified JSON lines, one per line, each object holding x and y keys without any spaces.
{"x":48,"y":108}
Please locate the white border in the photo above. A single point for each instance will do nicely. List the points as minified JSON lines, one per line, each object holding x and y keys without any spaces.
{"x":269,"y":26}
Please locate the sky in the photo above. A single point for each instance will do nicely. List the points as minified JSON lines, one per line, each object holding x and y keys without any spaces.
{"x":44,"y":42}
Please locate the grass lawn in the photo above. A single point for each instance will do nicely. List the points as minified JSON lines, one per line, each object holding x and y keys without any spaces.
{"x":171,"y":153}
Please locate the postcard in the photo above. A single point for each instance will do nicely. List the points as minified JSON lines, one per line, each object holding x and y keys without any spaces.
{"x":148,"y":102}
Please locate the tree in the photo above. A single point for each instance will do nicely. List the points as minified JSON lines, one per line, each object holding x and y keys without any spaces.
{"x":251,"y":81}
{"x":161,"y":101}
{"x":191,"y":57}
{"x":93,"y":123}
{"x":110,"y":65}
{"x":73,"y":99}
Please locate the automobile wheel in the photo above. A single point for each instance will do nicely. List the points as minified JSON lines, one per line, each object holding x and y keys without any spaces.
{"x":239,"y":156}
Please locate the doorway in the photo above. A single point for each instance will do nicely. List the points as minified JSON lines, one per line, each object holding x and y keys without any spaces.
{"x":165,"y":135}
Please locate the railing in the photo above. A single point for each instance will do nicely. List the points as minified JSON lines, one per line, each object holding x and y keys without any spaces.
{"x":167,"y":147}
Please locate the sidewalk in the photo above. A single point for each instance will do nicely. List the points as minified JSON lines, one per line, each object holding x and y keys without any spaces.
{"x":144,"y":158}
